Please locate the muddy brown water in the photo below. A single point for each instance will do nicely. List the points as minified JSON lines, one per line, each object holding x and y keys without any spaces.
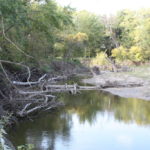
{"x":92,"y":120}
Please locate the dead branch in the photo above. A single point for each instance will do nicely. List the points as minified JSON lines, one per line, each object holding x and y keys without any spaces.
{"x":6,"y":75}
{"x":57,"y":78}
{"x":112,"y":63}
{"x":15,"y":63}
{"x":44,"y":106}
{"x":29,"y":83}
{"x":3,"y":95}
{"x":35,"y":92}
{"x":58,"y":88}
{"x":68,"y":87}
{"x":26,"y":106}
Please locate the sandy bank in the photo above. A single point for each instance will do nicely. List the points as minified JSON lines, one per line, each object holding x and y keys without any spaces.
{"x":123,"y":85}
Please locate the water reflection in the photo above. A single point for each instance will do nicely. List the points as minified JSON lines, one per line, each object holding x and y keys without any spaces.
{"x":88,"y":104}
{"x":92,"y":120}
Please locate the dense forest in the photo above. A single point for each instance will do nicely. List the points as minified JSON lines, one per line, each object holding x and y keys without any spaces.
{"x":37,"y":32}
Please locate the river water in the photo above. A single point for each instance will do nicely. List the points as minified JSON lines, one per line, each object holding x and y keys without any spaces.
{"x":92,"y":120}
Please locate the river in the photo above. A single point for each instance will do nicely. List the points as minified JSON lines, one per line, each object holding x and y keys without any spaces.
{"x":92,"y":120}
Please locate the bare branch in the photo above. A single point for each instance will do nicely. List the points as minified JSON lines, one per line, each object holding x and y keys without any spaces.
{"x":2,"y":94}
{"x":6,"y":75}
{"x":29,"y":83}
{"x":15,"y":63}
{"x":57,"y":78}
{"x":26,"y":106}
{"x":35,"y":92}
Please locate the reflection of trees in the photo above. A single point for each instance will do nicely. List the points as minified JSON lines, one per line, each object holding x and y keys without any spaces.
{"x":89,"y":103}
{"x":44,"y":131}
{"x":85,"y":105}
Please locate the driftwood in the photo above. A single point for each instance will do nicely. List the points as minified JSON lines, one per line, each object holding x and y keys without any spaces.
{"x":69,"y":87}
{"x":41,"y":100}
{"x":29,"y":83}
{"x":46,"y":100}
{"x":36,"y":96}
{"x":40,"y":80}
{"x":58,"y":88}
{"x":57,"y":78}
{"x":26,"y":111}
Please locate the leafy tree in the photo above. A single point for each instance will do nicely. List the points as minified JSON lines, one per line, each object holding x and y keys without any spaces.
{"x":33,"y":26}
{"x":126,"y":21}
{"x":75,"y":45}
{"x":94,"y":28}
{"x":134,"y":35}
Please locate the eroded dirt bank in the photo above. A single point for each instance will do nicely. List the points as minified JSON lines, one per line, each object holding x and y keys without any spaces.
{"x":122,"y":84}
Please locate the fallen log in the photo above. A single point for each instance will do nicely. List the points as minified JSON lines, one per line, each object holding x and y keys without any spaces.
{"x":35,"y":92}
{"x":29,"y":83}
{"x":39,"y":81}
{"x":68,"y":87}
{"x":88,"y":87}
{"x":57,"y":78}
{"x":59,"y":88}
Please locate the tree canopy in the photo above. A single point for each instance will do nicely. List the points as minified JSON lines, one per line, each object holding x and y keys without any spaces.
{"x":45,"y":31}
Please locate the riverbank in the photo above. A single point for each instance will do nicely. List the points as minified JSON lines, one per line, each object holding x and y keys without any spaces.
{"x":26,"y":92}
{"x":134,"y":84}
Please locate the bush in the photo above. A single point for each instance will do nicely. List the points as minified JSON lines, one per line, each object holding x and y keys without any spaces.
{"x":99,"y":60}
{"x":136,"y":54}
{"x":120,"y":53}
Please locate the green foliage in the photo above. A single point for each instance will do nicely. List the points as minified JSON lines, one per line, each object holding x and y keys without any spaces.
{"x":93,"y":26}
{"x":80,"y":37}
{"x":120,"y":53}
{"x":73,"y":45}
{"x":126,"y":21}
{"x":46,"y":31}
{"x":99,"y":60}
{"x":136,"y":54}
{"x":133,"y":35}
{"x":26,"y":147}
{"x":14,"y":11}
{"x":34,"y":27}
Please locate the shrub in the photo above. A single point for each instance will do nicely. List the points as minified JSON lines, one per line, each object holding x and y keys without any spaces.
{"x":120,"y":53}
{"x":99,"y":60}
{"x":136,"y":54}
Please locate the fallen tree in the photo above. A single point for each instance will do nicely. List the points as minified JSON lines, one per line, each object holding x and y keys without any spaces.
{"x":35,"y":96}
